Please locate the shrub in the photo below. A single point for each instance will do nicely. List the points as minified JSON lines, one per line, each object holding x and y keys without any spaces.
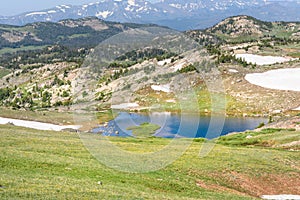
{"x":65,"y":94}
{"x":261,"y":125}
{"x":84,"y":94}
{"x":291,"y":129}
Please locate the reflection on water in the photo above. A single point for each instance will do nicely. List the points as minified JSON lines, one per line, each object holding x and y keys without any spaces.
{"x":176,"y":125}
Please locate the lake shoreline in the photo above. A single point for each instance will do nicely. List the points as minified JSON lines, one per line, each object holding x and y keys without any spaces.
{"x":176,"y":125}
{"x":37,"y":125}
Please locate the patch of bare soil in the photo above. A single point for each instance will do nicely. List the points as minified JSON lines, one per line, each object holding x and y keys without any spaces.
{"x":216,"y":187}
{"x":272,"y":184}
{"x":13,"y":36}
{"x":291,"y":144}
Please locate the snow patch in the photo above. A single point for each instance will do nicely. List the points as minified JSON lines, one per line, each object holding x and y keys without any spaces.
{"x":65,"y":6}
{"x":178,"y":66}
{"x":51,"y":11}
{"x":279,"y":79}
{"x":176,"y":5}
{"x":233,"y":71}
{"x":128,"y":8}
{"x":36,"y":13}
{"x":131,"y":2}
{"x":297,"y":109}
{"x":281,"y":197}
{"x":142,"y":9}
{"x":125,"y":106}
{"x":36,"y":125}
{"x":262,"y":60}
{"x":162,"y":62}
{"x":104,"y":14}
{"x":163,"y":88}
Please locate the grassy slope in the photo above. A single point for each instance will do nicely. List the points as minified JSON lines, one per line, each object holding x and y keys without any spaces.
{"x":270,"y":137}
{"x":56,"y":165}
{"x":144,"y":130}
{"x":3,"y":72}
{"x":204,"y":97}
{"x":26,"y":48}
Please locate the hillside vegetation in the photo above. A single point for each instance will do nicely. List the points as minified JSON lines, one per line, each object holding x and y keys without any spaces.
{"x":41,"y":71}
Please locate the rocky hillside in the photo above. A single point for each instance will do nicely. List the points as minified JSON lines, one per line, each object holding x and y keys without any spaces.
{"x":248,"y":28}
{"x":241,"y":26}
{"x":58,"y":70}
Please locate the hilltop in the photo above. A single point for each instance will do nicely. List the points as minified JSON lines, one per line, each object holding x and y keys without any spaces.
{"x":244,"y":28}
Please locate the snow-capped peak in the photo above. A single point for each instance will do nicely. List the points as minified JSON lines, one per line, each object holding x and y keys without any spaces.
{"x":131,"y":2}
{"x":165,"y":12}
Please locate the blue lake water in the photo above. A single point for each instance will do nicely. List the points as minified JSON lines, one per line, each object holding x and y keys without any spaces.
{"x":179,"y":125}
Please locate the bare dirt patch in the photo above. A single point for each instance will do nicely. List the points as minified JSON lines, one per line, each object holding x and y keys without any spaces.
{"x":272,"y":184}
{"x":216,"y":187}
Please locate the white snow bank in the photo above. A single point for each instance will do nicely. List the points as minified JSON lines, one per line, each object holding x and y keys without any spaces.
{"x":36,"y":13}
{"x":297,"y":109}
{"x":279,"y":79}
{"x":163,"y":88}
{"x":104,"y":14}
{"x":162,"y":62}
{"x":178,"y":66}
{"x":125,"y":106}
{"x":262,"y":60}
{"x":36,"y":125}
{"x":51,"y":11}
{"x":233,"y":71}
{"x":281,"y":197}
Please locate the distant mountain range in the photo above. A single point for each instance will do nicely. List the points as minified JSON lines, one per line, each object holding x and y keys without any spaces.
{"x":177,"y":14}
{"x":86,"y":33}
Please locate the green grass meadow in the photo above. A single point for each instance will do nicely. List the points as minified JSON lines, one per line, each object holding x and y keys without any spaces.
{"x":56,"y":165}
